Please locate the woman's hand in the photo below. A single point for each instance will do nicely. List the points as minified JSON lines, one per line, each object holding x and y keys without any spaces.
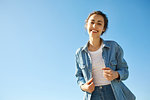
{"x":109,"y":74}
{"x":88,"y":86}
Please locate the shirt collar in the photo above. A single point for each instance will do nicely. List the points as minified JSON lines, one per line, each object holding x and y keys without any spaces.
{"x":105,"y":44}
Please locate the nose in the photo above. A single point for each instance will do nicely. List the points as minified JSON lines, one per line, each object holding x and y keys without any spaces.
{"x":94,"y":25}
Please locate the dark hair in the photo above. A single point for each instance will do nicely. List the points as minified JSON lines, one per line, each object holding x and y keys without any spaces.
{"x":99,"y":13}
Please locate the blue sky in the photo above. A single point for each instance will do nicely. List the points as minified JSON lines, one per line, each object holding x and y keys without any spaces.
{"x":39,"y":38}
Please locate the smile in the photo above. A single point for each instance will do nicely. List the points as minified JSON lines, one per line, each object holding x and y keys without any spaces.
{"x":94,"y":31}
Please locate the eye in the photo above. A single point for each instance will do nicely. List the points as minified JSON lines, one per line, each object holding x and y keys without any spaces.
{"x":99,"y":23}
{"x":92,"y":22}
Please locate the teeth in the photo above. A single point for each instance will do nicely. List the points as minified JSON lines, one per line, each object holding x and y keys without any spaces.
{"x":94,"y":31}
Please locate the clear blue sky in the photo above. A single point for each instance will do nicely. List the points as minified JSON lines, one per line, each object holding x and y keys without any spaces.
{"x":38,"y":40}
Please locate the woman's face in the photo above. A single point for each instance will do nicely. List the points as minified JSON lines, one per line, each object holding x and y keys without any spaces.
{"x":95,"y":26}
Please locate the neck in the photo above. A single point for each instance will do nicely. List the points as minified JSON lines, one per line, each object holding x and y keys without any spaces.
{"x":94,"y":43}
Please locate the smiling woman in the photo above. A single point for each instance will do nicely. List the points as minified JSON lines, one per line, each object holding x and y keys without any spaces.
{"x":98,"y":17}
{"x":100,"y":66}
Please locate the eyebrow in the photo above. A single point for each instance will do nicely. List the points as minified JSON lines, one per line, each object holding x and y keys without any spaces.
{"x":98,"y":20}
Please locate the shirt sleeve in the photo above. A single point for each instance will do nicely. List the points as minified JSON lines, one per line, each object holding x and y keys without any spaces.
{"x":78,"y":73}
{"x":122,"y":67}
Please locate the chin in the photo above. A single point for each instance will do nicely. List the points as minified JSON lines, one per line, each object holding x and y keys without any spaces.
{"x":95,"y":36}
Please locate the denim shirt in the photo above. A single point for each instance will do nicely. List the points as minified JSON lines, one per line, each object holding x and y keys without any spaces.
{"x":112,"y":54}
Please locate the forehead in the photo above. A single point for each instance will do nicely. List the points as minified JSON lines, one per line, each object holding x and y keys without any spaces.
{"x":96,"y":17}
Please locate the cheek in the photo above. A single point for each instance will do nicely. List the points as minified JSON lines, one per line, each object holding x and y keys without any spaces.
{"x":101,"y":28}
{"x":88,"y":28}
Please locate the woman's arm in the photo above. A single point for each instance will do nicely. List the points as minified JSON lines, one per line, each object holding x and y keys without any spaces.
{"x":78,"y":73}
{"x":122,"y":67}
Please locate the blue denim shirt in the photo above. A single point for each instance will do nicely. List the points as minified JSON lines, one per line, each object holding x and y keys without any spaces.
{"x":112,"y":54}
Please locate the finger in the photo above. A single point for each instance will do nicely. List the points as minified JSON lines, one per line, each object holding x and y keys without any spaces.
{"x":106,"y":68}
{"x":91,"y":83}
{"x":107,"y":75}
{"x":91,"y":80}
{"x":108,"y":72}
{"x":108,"y":78}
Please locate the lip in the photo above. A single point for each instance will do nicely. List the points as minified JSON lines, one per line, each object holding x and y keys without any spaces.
{"x":94,"y":31}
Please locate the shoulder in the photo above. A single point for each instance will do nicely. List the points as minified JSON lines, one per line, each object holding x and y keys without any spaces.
{"x":114,"y":47}
{"x":111,"y":43}
{"x":78,"y":51}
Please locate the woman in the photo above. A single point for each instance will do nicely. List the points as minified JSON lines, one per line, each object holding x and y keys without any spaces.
{"x":100,"y":66}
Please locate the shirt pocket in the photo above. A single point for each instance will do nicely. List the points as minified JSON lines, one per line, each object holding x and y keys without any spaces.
{"x":113,"y":64}
{"x":84,"y":70}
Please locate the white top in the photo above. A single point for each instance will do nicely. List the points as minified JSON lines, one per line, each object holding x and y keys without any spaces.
{"x":97,"y":65}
